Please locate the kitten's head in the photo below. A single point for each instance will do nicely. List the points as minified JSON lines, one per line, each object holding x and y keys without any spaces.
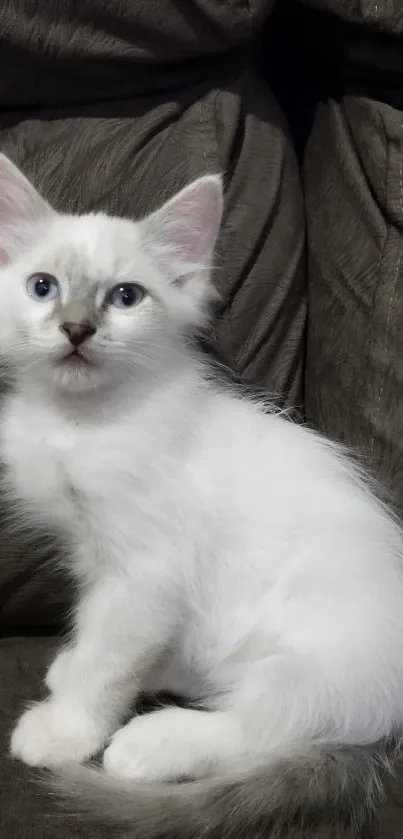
{"x":89,"y":300}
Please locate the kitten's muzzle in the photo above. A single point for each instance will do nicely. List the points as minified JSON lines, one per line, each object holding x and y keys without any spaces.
{"x":77,"y":333}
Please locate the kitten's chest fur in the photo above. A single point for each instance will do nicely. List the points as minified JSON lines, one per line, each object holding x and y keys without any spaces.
{"x":77,"y":475}
{"x":42,"y":453}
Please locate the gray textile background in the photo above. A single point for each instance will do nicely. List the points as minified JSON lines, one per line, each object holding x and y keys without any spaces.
{"x":114,"y":105}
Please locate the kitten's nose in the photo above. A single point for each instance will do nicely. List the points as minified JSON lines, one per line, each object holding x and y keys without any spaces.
{"x":77,"y":333}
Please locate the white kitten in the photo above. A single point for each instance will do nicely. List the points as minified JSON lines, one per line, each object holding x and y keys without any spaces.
{"x":221,"y":551}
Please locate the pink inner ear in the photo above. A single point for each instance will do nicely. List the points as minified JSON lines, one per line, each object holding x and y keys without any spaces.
{"x":197,"y":219}
{"x":21,"y":207}
{"x":187,"y":226}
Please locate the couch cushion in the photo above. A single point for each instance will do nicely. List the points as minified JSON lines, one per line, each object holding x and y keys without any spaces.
{"x":354,"y":190}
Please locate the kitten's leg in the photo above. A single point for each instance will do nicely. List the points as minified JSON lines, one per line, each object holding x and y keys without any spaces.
{"x":174,"y":743}
{"x":92,"y":682}
{"x":279,"y":701}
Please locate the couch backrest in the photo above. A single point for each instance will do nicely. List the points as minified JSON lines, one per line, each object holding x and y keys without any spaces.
{"x":381,"y":15}
{"x":70,"y":51}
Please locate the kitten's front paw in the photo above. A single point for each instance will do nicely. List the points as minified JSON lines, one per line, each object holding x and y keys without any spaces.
{"x":145,"y":750}
{"x":125,"y":758}
{"x":55,"y":732}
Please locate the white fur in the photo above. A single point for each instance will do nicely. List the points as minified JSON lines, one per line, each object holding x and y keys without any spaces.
{"x":221,"y":550}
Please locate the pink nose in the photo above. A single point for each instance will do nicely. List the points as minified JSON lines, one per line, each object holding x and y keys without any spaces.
{"x":77,"y":333}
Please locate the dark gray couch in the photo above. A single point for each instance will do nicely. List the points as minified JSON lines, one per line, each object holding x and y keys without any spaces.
{"x":113,"y":105}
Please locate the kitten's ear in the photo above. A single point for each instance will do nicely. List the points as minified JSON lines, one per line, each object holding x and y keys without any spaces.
{"x":20,"y":207}
{"x":183,"y":233}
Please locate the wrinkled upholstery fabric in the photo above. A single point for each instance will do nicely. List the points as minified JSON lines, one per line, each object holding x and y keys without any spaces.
{"x":69,"y":51}
{"x":353,"y":179}
{"x":355,"y":347}
{"x":355,"y":233}
{"x":380,"y":15}
{"x":113,"y":106}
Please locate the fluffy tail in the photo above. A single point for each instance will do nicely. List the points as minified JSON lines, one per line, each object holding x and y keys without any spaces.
{"x":325,"y":793}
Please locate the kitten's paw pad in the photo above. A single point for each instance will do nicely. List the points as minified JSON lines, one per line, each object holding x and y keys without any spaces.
{"x":54,"y":733}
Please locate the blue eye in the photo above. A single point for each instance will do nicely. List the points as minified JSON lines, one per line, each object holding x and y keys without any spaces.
{"x":42,"y":287}
{"x":126,"y":295}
